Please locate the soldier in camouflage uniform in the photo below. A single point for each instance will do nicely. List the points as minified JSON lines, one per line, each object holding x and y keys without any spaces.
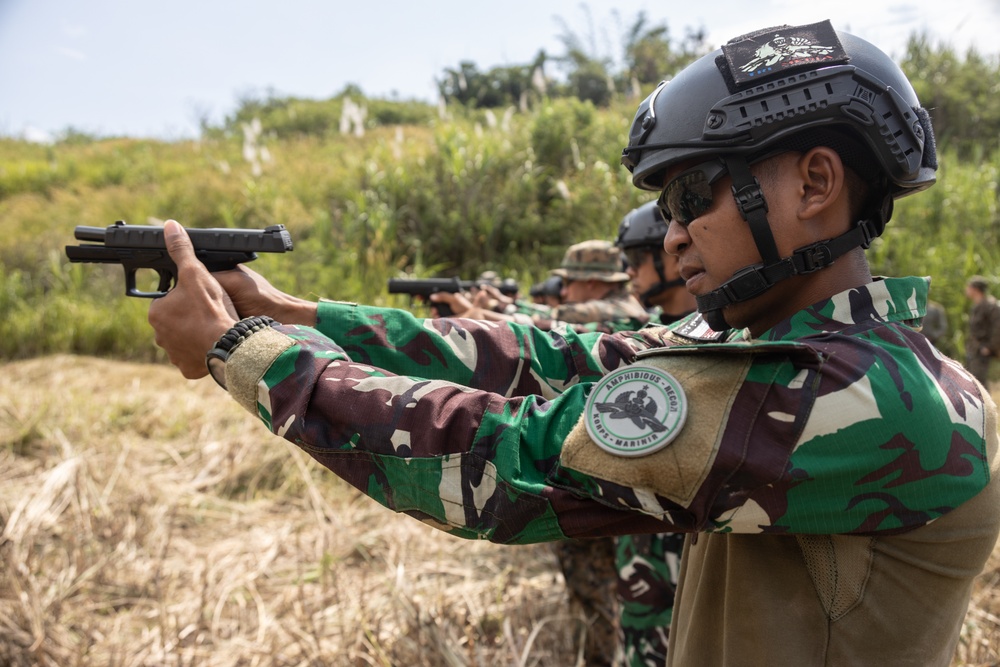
{"x":983,"y":340}
{"x":647,"y":565}
{"x":594,"y":290}
{"x":935,"y":324}
{"x":837,"y":475}
{"x":654,"y":274}
{"x":640,"y":570}
{"x":547,"y":292}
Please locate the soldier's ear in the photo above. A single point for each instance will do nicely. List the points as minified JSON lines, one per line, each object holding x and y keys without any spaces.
{"x":820,"y":176}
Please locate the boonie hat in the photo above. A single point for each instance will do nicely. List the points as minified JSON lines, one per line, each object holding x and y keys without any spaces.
{"x":592,"y":260}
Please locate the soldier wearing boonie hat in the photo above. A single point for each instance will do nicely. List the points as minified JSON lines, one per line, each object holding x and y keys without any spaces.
{"x":595,"y":289}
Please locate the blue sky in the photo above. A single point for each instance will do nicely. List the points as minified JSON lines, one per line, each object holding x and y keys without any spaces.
{"x":139,"y":68}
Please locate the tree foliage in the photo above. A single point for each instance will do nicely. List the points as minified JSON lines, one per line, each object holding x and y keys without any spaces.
{"x":597,"y":67}
{"x":499,"y":86}
{"x":961,"y":94}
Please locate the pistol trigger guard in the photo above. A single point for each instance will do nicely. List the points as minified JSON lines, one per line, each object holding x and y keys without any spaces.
{"x":130,"y":289}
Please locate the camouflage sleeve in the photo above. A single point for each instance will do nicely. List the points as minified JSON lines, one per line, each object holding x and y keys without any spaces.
{"x":506,"y":358}
{"x":595,"y":316}
{"x":462,"y":423}
{"x":531,"y":309}
{"x":595,"y":310}
{"x":468,"y":461}
{"x":605,"y":327}
{"x":609,"y":327}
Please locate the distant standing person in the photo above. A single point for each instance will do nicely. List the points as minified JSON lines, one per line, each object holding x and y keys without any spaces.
{"x":983,"y":341}
{"x":935,"y":324}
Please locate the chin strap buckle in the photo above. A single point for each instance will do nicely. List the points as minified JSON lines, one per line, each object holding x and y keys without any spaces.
{"x":813,"y":257}
{"x":750,"y":198}
{"x":867,"y":231}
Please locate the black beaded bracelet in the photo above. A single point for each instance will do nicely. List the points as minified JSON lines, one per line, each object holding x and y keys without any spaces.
{"x":216,"y":358}
{"x":241,"y":330}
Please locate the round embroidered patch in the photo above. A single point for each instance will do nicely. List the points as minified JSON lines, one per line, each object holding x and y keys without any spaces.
{"x":635,"y":411}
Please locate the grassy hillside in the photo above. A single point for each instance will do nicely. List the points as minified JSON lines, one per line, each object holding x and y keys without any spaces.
{"x":507,"y":192}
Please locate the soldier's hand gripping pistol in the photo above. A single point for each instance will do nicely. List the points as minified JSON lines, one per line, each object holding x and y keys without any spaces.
{"x":136,"y":247}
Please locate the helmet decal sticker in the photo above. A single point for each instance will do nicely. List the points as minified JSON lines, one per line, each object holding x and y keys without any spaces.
{"x":778,"y":50}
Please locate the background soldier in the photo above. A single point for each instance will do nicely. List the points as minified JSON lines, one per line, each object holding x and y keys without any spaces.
{"x":547,"y":292}
{"x":653,"y":272}
{"x":983,"y":340}
{"x":594,"y":296}
{"x":647,"y":565}
{"x":594,"y":290}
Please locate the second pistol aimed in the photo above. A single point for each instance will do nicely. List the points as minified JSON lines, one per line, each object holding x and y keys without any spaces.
{"x":424,"y":287}
{"x":137,"y":247}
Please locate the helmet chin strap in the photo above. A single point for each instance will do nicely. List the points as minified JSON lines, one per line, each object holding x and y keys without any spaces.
{"x":752,"y":281}
{"x":662,"y":286}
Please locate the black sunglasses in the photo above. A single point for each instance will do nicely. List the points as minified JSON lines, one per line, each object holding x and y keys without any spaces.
{"x":689,"y":194}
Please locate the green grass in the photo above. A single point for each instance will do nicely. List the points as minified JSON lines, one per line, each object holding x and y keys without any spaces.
{"x":449,"y":197}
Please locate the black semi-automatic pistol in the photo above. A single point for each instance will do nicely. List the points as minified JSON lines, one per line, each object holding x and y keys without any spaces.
{"x":137,"y":247}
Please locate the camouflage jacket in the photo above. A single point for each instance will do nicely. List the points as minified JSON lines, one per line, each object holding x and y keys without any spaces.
{"x":847,"y":423}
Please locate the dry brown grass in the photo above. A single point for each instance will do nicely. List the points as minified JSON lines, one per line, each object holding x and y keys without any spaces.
{"x":147,"y":520}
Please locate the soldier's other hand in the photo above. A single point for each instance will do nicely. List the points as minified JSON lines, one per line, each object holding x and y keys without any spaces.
{"x":458,"y":302}
{"x":252,"y":294}
{"x":195,"y":313}
{"x":489,"y":297}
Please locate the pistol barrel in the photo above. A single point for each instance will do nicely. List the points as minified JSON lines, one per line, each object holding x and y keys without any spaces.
{"x":89,"y":234}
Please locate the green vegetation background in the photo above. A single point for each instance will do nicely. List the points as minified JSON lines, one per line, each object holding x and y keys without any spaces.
{"x":420,"y":193}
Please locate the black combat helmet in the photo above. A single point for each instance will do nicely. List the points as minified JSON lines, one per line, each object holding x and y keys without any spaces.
{"x":644,"y":228}
{"x":551,"y":286}
{"x":784,"y":88}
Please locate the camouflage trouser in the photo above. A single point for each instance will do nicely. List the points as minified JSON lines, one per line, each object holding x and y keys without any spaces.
{"x":647,"y":578}
{"x":625,"y":590}
{"x":588,"y":566}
